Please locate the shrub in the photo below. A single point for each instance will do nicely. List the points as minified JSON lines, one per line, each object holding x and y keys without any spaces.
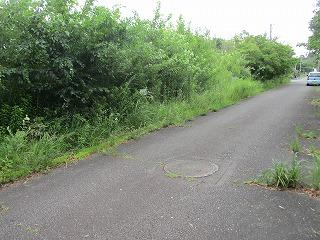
{"x":60,"y":59}
{"x":266,"y":59}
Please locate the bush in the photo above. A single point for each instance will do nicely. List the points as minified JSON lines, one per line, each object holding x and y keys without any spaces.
{"x":266,"y":59}
{"x":59,"y":59}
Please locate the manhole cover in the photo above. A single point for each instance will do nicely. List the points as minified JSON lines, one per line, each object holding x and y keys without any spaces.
{"x":190,"y":168}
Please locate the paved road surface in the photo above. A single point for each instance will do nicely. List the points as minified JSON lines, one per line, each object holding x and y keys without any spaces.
{"x":127,"y":196}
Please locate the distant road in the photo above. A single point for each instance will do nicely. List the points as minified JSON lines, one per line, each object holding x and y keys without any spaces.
{"x":127,"y":195}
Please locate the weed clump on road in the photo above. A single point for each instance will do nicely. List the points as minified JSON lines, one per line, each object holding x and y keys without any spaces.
{"x":315,"y":173}
{"x":295,"y":145}
{"x":281,"y":175}
{"x":308,"y":134}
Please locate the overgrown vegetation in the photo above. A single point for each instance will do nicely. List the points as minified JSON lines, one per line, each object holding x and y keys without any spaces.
{"x":266,"y":59}
{"x":308,"y":63}
{"x":74,"y":77}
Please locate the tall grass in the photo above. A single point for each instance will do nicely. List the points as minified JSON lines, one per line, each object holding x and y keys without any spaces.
{"x":277,"y":82}
{"x":20,"y":156}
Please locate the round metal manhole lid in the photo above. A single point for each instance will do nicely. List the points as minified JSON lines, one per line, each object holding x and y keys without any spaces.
{"x":190,"y":168}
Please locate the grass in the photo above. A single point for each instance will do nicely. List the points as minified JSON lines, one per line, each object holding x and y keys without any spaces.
{"x":295,"y":145}
{"x":285,"y":176}
{"x":315,"y":173}
{"x":276,"y":82}
{"x":281,"y":175}
{"x":20,"y":155}
{"x":313,"y":151}
{"x":172,"y":175}
{"x":307,"y":134}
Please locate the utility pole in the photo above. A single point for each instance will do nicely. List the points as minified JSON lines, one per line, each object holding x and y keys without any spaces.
{"x":270,"y":32}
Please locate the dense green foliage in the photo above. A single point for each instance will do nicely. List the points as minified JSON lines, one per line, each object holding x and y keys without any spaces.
{"x":266,"y":59}
{"x":314,"y":39}
{"x":308,"y":63}
{"x":77,"y":76}
{"x":57,"y":59}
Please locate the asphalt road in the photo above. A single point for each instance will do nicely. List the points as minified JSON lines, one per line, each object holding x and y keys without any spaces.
{"x":128,"y":196}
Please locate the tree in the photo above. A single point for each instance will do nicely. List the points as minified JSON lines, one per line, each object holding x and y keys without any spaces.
{"x":266,"y":59}
{"x":314,"y":39}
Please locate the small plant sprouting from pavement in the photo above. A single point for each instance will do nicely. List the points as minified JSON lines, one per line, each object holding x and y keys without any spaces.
{"x":295,"y":145}
{"x":3,"y":208}
{"x":315,"y":173}
{"x":32,"y":230}
{"x":281,"y":175}
{"x":172,"y":175}
{"x":190,"y":179}
{"x":313,"y":151}
{"x":308,"y":134}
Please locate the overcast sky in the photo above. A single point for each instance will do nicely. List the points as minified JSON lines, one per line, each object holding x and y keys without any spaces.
{"x":225,"y":18}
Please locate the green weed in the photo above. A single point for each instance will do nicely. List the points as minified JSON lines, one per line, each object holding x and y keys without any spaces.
{"x":282,"y":175}
{"x":277,"y":82}
{"x":313,"y":151}
{"x":308,"y":134}
{"x":315,"y":173}
{"x":172,"y":175}
{"x":295,"y":145}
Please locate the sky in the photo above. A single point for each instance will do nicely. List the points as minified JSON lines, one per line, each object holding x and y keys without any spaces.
{"x":226,"y":18}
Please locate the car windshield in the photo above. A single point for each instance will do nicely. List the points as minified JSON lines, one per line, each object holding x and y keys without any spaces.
{"x":314,"y":74}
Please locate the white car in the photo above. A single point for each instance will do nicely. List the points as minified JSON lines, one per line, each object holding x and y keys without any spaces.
{"x":313,"y":78}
